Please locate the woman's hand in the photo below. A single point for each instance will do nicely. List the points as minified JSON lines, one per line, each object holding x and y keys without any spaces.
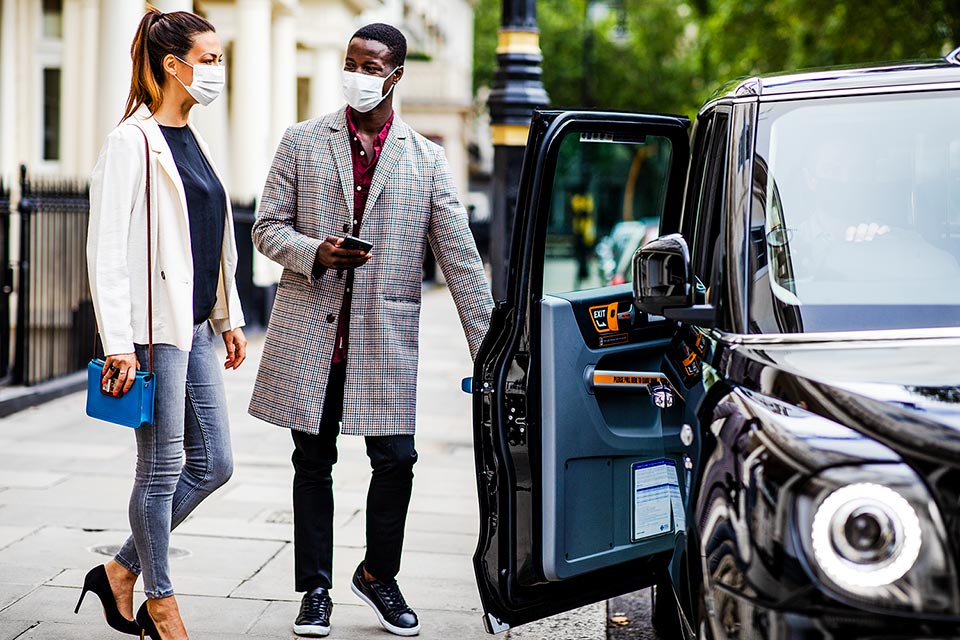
{"x":236,"y":344}
{"x":124,"y":363}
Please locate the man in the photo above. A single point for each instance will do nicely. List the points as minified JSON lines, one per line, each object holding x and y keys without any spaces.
{"x":341,"y":347}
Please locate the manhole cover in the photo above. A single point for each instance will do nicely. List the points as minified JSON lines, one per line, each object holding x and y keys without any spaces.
{"x":112,"y":549}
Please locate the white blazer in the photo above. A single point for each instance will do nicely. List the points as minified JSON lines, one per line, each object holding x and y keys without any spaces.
{"x":117,"y":244}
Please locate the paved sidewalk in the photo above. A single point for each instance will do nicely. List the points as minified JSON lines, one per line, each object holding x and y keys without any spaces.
{"x":65,"y":480}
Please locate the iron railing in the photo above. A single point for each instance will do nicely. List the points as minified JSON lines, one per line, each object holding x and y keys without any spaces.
{"x":6,"y":280}
{"x":256,"y":301}
{"x":55,"y":320}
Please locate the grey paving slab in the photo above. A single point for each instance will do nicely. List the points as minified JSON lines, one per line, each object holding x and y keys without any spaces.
{"x":449,"y":504}
{"x":444,"y":522}
{"x":29,"y":479}
{"x":227,"y":616}
{"x":219,"y":508}
{"x":54,"y":449}
{"x":356,"y":621}
{"x":59,"y":547}
{"x":12,"y":629}
{"x":585,"y":623}
{"x":10,"y":593}
{"x":274,"y":581}
{"x":23,"y":573}
{"x":235,"y":528}
{"x":9,"y":535}
{"x":94,"y":492}
{"x":65,"y":482}
{"x":53,"y":604}
{"x":61,"y":631}
{"x":417,"y":538}
{"x":110,"y":516}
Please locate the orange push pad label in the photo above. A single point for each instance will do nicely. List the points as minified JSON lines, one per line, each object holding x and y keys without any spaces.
{"x":605,"y":318}
{"x":605,"y":379}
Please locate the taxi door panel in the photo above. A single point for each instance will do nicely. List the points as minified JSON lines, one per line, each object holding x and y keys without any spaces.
{"x":579,"y":471}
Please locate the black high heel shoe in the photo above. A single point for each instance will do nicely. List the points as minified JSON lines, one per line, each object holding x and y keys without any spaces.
{"x":145,"y":625}
{"x":96,"y":581}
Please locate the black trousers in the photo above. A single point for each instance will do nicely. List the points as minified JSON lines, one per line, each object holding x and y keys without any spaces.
{"x":392,"y":459}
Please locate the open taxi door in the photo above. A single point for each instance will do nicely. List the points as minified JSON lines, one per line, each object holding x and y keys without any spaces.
{"x":577,"y":431}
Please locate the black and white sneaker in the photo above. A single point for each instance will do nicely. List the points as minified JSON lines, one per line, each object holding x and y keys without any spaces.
{"x":315,"y":610}
{"x":388,"y":603}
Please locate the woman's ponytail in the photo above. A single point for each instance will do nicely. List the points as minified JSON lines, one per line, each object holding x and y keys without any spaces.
{"x":158,"y":35}
{"x":143,"y":86}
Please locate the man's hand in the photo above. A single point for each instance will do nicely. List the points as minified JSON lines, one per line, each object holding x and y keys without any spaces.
{"x":236,"y":344}
{"x":331,"y":256}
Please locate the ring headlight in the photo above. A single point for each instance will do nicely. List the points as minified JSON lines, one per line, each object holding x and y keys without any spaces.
{"x":865,"y":535}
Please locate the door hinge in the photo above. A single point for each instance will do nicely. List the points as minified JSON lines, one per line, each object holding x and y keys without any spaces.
{"x":516,"y":418}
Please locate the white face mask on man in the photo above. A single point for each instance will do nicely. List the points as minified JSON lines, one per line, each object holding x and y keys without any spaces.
{"x":364,"y":92}
{"x":208,"y":81}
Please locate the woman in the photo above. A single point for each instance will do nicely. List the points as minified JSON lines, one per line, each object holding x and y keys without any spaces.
{"x":176,"y":65}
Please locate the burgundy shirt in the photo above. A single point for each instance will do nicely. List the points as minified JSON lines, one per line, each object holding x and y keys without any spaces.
{"x":363,"y":168}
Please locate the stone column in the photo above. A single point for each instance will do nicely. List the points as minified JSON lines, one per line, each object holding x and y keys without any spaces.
{"x":168,"y":6}
{"x":118,"y":24}
{"x":250,"y":117}
{"x":88,"y":144}
{"x":284,"y":76}
{"x":72,"y":79}
{"x":8,"y":91}
{"x":326,"y":94}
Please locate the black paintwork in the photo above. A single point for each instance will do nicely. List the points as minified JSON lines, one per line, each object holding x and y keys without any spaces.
{"x":770,"y":413}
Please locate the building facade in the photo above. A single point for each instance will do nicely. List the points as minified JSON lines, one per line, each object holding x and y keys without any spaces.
{"x":65,"y":73}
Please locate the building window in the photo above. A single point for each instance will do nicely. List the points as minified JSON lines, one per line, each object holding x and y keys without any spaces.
{"x":51,"y":114}
{"x":53,"y":19}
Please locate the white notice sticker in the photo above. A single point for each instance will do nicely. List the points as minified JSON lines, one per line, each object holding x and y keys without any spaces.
{"x":657,"y":504}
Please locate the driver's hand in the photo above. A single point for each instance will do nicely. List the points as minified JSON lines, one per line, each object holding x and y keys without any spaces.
{"x":865,"y":232}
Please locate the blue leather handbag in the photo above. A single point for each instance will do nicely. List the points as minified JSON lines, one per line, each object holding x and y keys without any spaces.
{"x":131,"y":409}
{"x":135,"y":407}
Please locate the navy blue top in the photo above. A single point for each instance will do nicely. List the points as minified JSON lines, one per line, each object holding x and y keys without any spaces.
{"x":207,"y":209}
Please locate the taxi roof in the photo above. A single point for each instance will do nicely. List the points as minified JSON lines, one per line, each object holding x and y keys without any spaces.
{"x":846,"y":79}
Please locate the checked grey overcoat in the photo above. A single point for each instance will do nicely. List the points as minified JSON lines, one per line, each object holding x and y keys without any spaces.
{"x":412,"y":200}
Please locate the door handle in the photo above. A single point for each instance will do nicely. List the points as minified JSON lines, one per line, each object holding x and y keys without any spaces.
{"x":655,"y":383}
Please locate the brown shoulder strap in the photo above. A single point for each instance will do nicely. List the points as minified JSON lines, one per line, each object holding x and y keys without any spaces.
{"x":146,"y":147}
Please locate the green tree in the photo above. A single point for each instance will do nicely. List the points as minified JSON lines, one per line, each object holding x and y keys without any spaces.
{"x":592,"y":59}
{"x":745,"y":37}
{"x":670,"y":55}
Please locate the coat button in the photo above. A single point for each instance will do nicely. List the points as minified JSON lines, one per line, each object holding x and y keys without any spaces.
{"x":346,"y":228}
{"x":163,"y":276}
{"x":331,"y":317}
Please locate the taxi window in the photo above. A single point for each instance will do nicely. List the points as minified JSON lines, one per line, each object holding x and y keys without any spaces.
{"x":606,"y":201}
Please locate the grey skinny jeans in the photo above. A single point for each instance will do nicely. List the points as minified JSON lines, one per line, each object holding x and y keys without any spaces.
{"x":190,"y":420}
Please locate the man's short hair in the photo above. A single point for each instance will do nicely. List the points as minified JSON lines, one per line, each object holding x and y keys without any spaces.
{"x":388,"y":36}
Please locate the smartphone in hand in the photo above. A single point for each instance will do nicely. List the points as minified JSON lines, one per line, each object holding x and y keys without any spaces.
{"x":354,"y":243}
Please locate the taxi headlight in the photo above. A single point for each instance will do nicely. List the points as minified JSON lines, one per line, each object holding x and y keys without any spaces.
{"x":873,"y":535}
{"x":865,"y":535}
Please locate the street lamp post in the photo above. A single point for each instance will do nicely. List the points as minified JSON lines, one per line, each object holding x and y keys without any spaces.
{"x":517,"y":90}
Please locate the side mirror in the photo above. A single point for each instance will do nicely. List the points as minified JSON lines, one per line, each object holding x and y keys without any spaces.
{"x":663,"y":282}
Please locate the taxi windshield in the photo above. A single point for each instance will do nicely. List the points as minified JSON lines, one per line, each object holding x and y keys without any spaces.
{"x":855,"y":216}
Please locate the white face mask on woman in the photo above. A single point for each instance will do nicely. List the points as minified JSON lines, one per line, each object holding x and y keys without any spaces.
{"x":208,"y":81}
{"x":363,"y":91}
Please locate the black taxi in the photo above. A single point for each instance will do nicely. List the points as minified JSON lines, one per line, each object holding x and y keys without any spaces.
{"x":766,"y":423}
